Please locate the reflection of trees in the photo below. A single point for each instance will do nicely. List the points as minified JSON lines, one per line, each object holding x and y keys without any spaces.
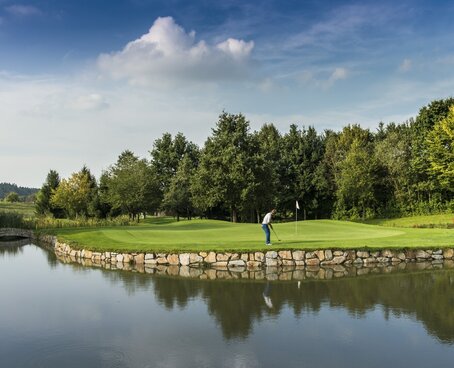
{"x":10,"y":249}
{"x":426,"y":296}
{"x":13,"y":245}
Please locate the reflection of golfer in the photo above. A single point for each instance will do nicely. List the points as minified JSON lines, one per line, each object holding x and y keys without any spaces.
{"x":266,"y":296}
{"x":266,"y":225}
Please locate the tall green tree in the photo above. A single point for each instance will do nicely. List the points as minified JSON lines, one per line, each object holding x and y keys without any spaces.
{"x":355,"y":186}
{"x":351,"y":160}
{"x":265,"y":191}
{"x":74,"y":194}
{"x":225,"y":171}
{"x":132,"y":186}
{"x":93,"y":204}
{"x":421,"y":127}
{"x":302,"y":153}
{"x":104,"y":205}
{"x":166,"y":155}
{"x":440,"y":144}
{"x":393,"y":152}
{"x":43,"y":203}
{"x":178,"y":198}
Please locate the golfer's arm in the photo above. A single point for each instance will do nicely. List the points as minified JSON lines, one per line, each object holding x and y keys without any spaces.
{"x":269,"y":224}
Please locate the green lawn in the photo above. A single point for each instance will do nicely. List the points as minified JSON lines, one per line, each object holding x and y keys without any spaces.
{"x":164,"y":234}
{"x":445,"y":220}
{"x":26,"y":209}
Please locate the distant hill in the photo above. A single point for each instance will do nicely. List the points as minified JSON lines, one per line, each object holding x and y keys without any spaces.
{"x":6,"y":188}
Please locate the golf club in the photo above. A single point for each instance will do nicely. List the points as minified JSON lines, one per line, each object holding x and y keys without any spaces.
{"x":276,"y":235}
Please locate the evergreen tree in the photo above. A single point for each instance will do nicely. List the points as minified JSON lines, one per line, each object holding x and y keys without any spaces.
{"x":43,"y":203}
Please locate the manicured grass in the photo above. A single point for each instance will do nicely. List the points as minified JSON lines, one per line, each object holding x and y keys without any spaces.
{"x":164,"y":234}
{"x":26,"y":209}
{"x":441,"y":221}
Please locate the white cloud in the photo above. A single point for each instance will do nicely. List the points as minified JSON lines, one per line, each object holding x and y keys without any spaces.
{"x":338,"y":73}
{"x":92,"y":101}
{"x":238,"y":49}
{"x":406,"y":65}
{"x":168,"y":54}
{"x":23,"y":10}
{"x":341,"y":25}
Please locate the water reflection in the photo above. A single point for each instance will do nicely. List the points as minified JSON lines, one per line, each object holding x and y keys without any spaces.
{"x":423,"y":291}
{"x":71,"y":315}
{"x":13,"y":245}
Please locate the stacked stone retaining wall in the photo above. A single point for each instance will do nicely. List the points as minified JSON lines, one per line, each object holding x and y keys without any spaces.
{"x":256,"y":260}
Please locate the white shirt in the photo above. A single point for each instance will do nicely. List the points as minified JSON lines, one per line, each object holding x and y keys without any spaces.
{"x":267,"y":219}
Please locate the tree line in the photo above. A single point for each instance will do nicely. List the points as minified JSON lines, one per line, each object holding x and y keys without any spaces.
{"x":239,"y":174}
{"x":13,"y":193}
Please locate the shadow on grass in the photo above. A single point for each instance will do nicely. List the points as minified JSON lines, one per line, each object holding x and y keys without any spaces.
{"x":159,"y":220}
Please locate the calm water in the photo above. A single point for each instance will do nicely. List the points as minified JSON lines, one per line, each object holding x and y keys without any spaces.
{"x":65,"y":315}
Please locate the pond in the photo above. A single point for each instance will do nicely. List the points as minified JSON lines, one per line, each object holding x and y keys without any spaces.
{"x":56,"y":314}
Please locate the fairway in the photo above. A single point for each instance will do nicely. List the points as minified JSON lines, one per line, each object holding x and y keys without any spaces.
{"x":164,"y":234}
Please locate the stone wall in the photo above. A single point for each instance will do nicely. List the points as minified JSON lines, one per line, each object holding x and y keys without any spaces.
{"x":284,"y":273}
{"x":256,"y":260}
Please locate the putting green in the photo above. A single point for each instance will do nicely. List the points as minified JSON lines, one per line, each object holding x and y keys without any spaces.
{"x":164,"y":234}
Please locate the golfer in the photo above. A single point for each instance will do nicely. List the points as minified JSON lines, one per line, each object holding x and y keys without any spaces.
{"x":266,"y":225}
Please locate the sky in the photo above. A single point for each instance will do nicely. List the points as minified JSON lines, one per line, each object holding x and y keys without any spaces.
{"x":81,"y":81}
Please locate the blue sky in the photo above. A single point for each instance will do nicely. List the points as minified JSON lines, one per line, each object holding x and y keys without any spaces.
{"x":80,"y":81}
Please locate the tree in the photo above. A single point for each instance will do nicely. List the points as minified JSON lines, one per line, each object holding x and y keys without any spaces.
{"x":12,"y":197}
{"x":393,"y":152}
{"x":75,"y":194}
{"x":225,"y":172}
{"x":178,"y":198}
{"x":420,"y":163}
{"x":132,"y":186}
{"x":355,"y":186}
{"x":104,"y":205}
{"x":353,"y":167}
{"x":301,"y":174}
{"x":266,"y":157}
{"x":166,"y":155}
{"x":440,"y":143}
{"x":43,"y":203}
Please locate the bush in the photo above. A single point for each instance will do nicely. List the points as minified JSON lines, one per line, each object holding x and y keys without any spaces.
{"x":15,"y":220}
{"x":53,"y":223}
{"x":12,"y":197}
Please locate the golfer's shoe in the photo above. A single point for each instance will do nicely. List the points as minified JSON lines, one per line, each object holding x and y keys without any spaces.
{"x":268,"y":244}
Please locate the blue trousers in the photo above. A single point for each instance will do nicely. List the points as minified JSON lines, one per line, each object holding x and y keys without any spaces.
{"x":266,"y":229}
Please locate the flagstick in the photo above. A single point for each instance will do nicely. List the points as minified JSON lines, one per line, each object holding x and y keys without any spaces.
{"x":296,"y":222}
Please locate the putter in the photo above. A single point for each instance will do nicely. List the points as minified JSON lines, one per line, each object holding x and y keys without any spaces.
{"x":276,"y":235}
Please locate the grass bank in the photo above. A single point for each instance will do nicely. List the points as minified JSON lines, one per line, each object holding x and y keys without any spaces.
{"x":166,"y":235}
{"x":444,"y":221}
{"x":24,"y":209}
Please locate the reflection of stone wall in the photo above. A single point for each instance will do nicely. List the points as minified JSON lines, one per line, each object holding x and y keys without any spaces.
{"x":271,"y":265}
{"x":255,"y":260}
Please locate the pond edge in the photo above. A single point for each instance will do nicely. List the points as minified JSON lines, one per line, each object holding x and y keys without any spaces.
{"x":252,"y":260}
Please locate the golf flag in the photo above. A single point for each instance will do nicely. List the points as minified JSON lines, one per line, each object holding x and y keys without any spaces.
{"x":297,"y":205}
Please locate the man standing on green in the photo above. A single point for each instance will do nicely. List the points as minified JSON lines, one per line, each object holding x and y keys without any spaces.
{"x":266,"y":225}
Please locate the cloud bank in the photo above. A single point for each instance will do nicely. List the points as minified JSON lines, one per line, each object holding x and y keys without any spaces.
{"x":23,"y":10}
{"x":168,"y":54}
